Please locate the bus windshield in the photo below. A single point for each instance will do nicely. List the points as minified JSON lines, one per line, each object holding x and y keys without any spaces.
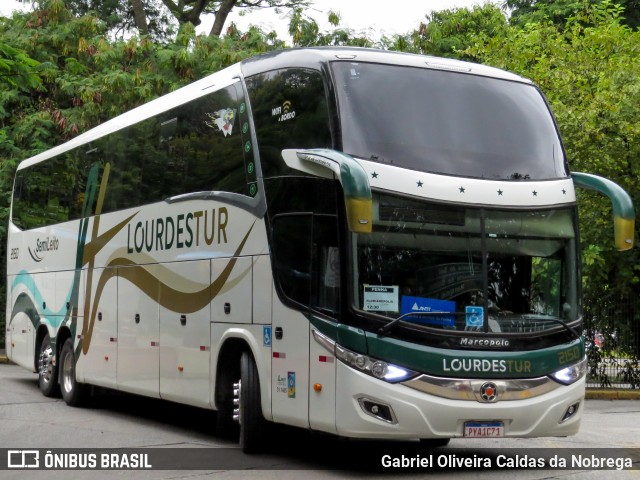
{"x":466,"y":268}
{"x":445,"y":122}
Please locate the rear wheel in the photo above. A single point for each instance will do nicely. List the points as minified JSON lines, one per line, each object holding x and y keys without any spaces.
{"x":73,"y":393}
{"x":47,"y":369}
{"x":249,"y":406}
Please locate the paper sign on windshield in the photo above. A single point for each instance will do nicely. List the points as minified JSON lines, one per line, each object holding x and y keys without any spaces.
{"x":381,"y":298}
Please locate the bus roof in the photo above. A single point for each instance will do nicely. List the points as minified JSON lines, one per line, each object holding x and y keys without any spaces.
{"x":316,"y":57}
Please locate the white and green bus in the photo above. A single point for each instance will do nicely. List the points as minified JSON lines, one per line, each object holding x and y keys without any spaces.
{"x":358,"y":242}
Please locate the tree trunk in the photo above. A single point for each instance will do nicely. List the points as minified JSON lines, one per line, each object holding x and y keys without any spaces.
{"x":221,"y":17}
{"x":139,"y":16}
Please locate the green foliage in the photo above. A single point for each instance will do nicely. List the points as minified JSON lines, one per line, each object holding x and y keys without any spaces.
{"x":306,"y":32}
{"x":449,"y":32}
{"x":589,"y":71}
{"x":17,"y":69}
{"x":558,"y":11}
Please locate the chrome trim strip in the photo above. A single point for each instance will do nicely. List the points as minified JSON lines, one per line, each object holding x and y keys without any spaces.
{"x":469,"y":388}
{"x":325,"y":341}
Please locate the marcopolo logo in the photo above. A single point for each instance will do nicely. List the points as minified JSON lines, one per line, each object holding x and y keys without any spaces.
{"x":482,"y":342}
{"x":48,"y":244}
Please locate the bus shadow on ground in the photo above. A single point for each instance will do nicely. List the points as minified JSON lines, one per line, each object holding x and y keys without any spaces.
{"x":285,"y":447}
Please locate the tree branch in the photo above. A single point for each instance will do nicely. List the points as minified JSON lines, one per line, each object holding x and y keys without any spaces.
{"x":139,"y":16}
{"x":221,"y":17}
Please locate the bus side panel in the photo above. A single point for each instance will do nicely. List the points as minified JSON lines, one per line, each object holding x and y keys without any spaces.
{"x":263,"y":293}
{"x":232,"y":301}
{"x":19,"y":335}
{"x":262,"y":317}
{"x":185,"y":337}
{"x":63,"y":302}
{"x":322,"y":391}
{"x":290,"y":366}
{"x":138,"y":331}
{"x":98,"y":365}
{"x":20,"y":328}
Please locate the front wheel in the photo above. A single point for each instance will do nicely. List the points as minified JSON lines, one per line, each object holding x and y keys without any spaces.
{"x":47,"y":369}
{"x":73,"y":393}
{"x":252,"y":422}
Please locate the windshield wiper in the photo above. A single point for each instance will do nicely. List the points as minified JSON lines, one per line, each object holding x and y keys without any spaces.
{"x":389,"y":326}
{"x":558,"y":321}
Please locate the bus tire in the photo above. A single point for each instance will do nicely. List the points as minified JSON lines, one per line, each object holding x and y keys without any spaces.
{"x":252,"y":422}
{"x":73,"y":392}
{"x":47,"y":369}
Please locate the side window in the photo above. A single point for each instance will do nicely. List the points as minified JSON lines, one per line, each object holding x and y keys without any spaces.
{"x":307,"y":259}
{"x":208,"y":146}
{"x":203,"y":145}
{"x":290,"y":111}
{"x":50,"y":192}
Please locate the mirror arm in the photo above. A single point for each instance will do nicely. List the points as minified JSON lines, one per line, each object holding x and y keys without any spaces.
{"x":623,"y":211}
{"x":354,"y":180}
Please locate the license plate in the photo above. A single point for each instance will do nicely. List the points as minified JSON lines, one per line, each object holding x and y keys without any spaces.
{"x":483,"y":429}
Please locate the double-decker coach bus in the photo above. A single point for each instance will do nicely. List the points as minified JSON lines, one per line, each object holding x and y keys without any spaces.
{"x":364,"y":243}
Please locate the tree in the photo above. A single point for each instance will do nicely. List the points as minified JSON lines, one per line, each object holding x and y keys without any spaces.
{"x":148,"y":17}
{"x":159,"y":18}
{"x":448,"y":33}
{"x":589,"y":72}
{"x":558,"y":11}
{"x":305,"y":32}
{"x":17,"y":69}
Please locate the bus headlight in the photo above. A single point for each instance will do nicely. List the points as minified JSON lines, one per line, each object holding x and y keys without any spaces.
{"x":571,"y":374}
{"x":374,"y":367}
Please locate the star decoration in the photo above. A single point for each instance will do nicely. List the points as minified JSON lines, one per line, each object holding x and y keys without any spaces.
{"x":420,"y":184}
{"x":564,"y":192}
{"x":374,"y":175}
{"x":500,"y":192}
{"x":462,"y":189}
{"x":535,"y":194}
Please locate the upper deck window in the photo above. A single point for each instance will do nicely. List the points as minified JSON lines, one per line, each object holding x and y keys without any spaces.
{"x":446,"y":122}
{"x":290,"y":111}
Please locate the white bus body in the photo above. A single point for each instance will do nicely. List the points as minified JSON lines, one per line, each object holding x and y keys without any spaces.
{"x":232,"y":247}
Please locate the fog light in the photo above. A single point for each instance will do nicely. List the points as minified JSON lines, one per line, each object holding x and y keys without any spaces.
{"x":377,"y":409}
{"x":571,"y":411}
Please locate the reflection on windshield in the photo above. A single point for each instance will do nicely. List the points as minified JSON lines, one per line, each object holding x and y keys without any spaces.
{"x":468,"y":269}
{"x":447,"y":122}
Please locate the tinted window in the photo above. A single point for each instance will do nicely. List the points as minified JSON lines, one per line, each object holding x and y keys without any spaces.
{"x":303,"y":214}
{"x":289,"y":108}
{"x":199,"y":146}
{"x":53,"y":191}
{"x":445,"y":122}
{"x":306,"y":258}
{"x":204,"y":145}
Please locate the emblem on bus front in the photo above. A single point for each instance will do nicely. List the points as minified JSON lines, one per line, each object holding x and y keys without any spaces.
{"x":489,"y":392}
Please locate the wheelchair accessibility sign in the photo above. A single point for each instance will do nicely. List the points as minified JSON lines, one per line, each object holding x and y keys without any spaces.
{"x":266,"y":335}
{"x":474,"y":316}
